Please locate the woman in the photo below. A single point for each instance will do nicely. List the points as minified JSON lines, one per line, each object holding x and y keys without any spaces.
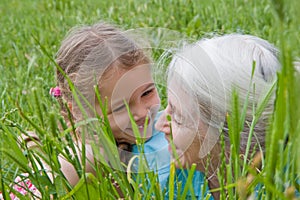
{"x":201,"y":79}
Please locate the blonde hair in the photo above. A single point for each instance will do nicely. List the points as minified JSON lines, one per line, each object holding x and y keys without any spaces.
{"x":87,"y":53}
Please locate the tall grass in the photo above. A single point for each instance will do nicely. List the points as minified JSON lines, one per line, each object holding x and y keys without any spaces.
{"x":27,"y":73}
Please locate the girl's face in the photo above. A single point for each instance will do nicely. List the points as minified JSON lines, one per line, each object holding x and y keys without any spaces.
{"x":136,"y":88}
{"x":185,"y":131}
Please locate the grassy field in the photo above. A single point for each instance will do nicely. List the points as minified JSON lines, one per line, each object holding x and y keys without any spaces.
{"x":31,"y":32}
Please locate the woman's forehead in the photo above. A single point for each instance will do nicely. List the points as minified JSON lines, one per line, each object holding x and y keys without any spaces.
{"x":180,"y":94}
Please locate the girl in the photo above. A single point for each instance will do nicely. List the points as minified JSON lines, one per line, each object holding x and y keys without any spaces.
{"x":103,"y":56}
{"x":100,"y":71}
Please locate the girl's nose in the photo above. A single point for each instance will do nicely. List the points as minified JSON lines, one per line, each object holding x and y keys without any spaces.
{"x":139,"y":114}
{"x":163,"y":124}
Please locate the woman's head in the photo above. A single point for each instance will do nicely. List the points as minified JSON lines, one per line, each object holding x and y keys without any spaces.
{"x":203,"y":77}
{"x":104,"y":56}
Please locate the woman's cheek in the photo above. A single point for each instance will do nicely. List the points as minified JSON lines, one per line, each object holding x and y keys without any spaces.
{"x":184,"y":138}
{"x":193,"y":151}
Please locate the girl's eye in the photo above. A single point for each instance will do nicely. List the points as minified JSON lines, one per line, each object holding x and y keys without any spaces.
{"x":148,"y":92}
{"x":120,"y":108}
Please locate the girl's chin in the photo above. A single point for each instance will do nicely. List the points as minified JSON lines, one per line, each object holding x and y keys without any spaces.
{"x":146,"y":134}
{"x":143,"y":135}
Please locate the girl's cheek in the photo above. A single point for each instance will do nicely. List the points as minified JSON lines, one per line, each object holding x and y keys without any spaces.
{"x":157,"y":99}
{"x":154,"y":101}
{"x":119,"y":120}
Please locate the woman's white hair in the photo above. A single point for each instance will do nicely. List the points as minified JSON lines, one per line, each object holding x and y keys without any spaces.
{"x":211,"y":69}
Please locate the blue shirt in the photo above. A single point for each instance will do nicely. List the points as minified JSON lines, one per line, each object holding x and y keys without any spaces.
{"x":159,"y":158}
{"x":157,"y":155}
{"x":199,"y":188}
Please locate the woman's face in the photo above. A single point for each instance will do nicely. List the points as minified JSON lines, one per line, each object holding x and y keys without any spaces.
{"x":136,"y":88}
{"x":185,"y":130}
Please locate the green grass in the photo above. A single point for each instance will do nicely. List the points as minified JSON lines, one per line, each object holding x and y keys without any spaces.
{"x":27,"y":73}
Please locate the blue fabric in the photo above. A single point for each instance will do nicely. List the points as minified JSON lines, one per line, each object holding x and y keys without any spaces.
{"x":200,"y":189}
{"x":157,"y":154}
{"x":297,"y":193}
{"x":259,"y":190}
{"x":158,"y":158}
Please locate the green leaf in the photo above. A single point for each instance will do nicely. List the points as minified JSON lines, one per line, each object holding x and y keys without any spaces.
{"x":11,"y":149}
{"x":171,"y":180}
{"x":59,"y":186}
{"x":189,"y":181}
{"x":86,"y":188}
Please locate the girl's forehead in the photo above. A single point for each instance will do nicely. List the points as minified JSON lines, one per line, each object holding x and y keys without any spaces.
{"x":117,"y":69}
{"x":131,"y":79}
{"x":121,"y":83}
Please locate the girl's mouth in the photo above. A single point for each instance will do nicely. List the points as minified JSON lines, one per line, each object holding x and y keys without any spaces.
{"x":142,"y":128}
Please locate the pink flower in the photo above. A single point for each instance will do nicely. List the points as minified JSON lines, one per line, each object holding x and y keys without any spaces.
{"x":23,"y":187}
{"x":55,"y":92}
